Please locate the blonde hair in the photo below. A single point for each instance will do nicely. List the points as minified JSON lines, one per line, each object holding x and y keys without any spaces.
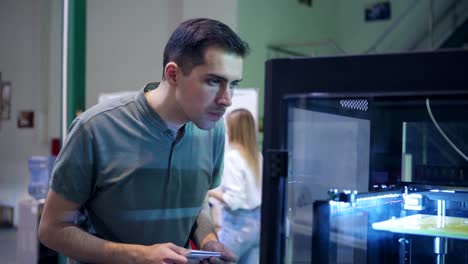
{"x":242,"y":135}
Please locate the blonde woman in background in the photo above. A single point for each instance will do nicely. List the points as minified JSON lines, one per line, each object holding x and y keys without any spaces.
{"x":240,"y":190}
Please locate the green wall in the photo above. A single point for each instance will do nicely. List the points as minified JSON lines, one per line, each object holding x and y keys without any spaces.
{"x":76,"y":72}
{"x":356,"y":35}
{"x":271,"y":22}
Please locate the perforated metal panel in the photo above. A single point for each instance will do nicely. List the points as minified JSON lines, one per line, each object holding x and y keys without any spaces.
{"x":356,"y":104}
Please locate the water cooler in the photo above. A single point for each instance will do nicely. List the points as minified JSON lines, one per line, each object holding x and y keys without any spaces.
{"x":29,"y":248}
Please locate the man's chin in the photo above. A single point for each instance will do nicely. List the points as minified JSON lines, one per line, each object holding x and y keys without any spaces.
{"x":206,"y":125}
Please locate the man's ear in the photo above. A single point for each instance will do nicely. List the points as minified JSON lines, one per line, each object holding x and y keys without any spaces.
{"x":170,"y":72}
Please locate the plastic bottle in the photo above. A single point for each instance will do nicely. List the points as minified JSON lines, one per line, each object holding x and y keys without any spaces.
{"x":39,"y":169}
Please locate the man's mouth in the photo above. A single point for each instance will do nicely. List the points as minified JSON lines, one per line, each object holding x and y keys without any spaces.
{"x":215,"y":115}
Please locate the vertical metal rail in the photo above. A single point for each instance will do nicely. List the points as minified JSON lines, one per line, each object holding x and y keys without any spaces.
{"x":64,"y":68}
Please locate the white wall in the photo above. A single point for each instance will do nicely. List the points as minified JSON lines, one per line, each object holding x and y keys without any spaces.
{"x":26,"y":59}
{"x":126,"y":39}
{"x":222,"y":10}
{"x":54,"y":102}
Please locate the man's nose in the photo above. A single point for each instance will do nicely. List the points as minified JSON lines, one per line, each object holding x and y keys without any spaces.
{"x":224,"y":97}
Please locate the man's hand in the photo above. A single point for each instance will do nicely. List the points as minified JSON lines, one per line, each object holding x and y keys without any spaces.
{"x":165,"y":253}
{"x":57,"y":231}
{"x":226,"y":255}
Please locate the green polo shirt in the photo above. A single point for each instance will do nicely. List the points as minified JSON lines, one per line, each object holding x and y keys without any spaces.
{"x":135,"y":181}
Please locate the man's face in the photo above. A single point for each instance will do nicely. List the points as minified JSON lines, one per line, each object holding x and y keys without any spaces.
{"x":205,"y":93}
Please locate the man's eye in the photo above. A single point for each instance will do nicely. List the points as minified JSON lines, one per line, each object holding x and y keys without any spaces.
{"x":234,"y":85}
{"x":213,"y":82}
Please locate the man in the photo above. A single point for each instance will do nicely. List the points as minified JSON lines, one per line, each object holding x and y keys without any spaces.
{"x":130,"y":183}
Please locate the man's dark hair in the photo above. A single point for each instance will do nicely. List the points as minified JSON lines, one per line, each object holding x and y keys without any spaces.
{"x":188,"y":43}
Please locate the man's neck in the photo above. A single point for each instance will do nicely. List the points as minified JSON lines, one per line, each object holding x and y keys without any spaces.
{"x":162,"y":101}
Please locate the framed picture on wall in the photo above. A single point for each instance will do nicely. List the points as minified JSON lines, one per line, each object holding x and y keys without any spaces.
{"x":26,"y":119}
{"x":377,"y":11}
{"x":5,"y":100}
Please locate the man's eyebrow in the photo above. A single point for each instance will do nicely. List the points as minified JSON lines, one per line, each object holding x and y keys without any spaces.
{"x":213,"y":75}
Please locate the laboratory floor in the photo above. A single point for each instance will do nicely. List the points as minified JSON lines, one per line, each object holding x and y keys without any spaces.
{"x":8,"y":245}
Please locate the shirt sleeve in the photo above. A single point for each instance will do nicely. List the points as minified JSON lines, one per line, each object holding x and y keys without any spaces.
{"x":233,"y":181}
{"x":72,"y":176}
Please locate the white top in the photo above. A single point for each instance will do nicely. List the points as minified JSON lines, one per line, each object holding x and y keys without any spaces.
{"x":239,"y":184}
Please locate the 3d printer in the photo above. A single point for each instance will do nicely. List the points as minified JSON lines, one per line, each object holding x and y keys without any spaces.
{"x":366,"y":159}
